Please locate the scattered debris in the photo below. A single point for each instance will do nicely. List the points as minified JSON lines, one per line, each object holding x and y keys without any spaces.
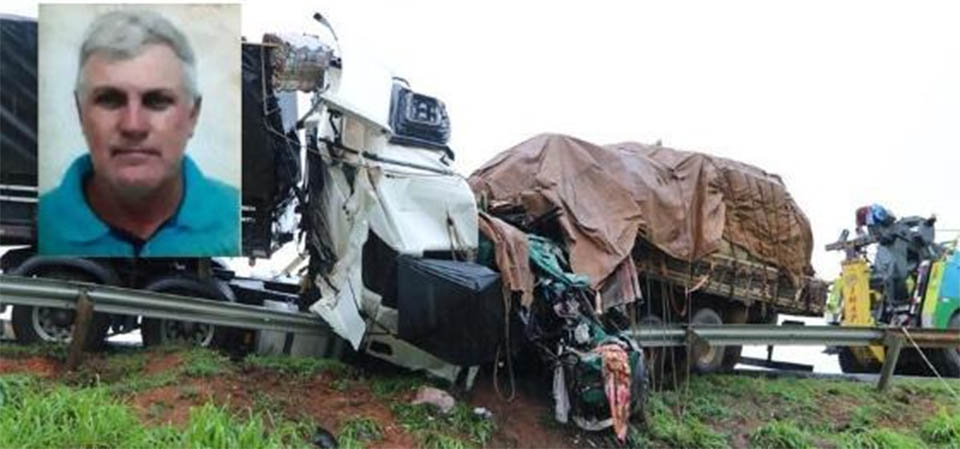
{"x":483,"y":412}
{"x":436,"y":397}
{"x":323,"y":439}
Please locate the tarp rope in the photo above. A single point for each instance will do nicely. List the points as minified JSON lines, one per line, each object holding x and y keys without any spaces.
{"x":929,"y":365}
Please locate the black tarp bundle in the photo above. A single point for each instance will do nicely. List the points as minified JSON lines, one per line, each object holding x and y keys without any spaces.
{"x":453,"y":310}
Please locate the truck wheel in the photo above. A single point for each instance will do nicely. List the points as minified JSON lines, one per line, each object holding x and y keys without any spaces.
{"x":950,"y":357}
{"x":32,"y":324}
{"x":851,"y":365}
{"x":736,"y":314}
{"x":706,"y":358}
{"x":156,"y":331}
{"x":639,"y":385}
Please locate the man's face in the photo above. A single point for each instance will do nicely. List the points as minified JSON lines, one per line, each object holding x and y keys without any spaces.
{"x":137,"y":117}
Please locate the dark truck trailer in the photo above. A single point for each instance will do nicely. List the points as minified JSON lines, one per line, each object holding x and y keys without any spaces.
{"x":18,"y":130}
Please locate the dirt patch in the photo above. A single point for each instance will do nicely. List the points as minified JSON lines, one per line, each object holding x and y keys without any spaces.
{"x":331,"y":408}
{"x":40,"y":366}
{"x":525,"y":422}
{"x":261,"y":390}
{"x":168,"y":405}
{"x":328,"y":399}
{"x":161,"y":363}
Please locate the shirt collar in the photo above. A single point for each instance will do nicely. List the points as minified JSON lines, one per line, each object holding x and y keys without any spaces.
{"x":193,"y":212}
{"x":84,"y":224}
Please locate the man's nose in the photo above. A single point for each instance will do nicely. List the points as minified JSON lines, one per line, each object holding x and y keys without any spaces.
{"x":134,"y":121}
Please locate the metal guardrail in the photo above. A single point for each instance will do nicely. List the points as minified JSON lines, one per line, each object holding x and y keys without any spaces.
{"x":785,"y":335}
{"x":63,"y":294}
{"x":109,"y":299}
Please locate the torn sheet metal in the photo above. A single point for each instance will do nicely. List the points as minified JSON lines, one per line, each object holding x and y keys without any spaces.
{"x":363,"y":87}
{"x":419,"y":210}
{"x":346,"y":214}
{"x":401,"y":353}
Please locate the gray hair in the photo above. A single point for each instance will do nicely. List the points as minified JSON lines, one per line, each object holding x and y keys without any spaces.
{"x":123,"y":34}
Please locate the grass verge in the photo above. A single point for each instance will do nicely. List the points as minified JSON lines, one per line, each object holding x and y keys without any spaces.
{"x":37,"y":416}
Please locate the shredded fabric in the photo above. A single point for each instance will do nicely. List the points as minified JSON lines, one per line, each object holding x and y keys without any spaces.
{"x":616,"y":379}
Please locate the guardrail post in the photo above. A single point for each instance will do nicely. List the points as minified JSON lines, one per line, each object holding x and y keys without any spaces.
{"x":81,"y":327}
{"x":893,"y":344}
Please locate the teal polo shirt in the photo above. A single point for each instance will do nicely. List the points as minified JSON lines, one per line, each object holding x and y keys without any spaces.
{"x":207,"y":222}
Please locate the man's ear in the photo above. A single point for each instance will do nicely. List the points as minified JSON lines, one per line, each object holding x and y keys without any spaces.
{"x":195,"y":113}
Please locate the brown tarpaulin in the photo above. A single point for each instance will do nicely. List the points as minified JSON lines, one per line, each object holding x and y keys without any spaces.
{"x":684,"y":203}
{"x":511,"y":255}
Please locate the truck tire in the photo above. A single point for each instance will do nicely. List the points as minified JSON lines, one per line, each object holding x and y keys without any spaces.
{"x":156,"y":331}
{"x":32,"y":324}
{"x":706,"y":358}
{"x":736,"y":314}
{"x":950,"y":357}
{"x":849,"y":363}
{"x":639,"y":386}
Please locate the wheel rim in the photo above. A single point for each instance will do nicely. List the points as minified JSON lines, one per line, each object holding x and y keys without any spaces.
{"x":48,"y":323}
{"x":705,"y":353}
{"x":199,"y":334}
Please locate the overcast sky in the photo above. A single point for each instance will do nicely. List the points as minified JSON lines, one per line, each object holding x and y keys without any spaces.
{"x":849,"y":102}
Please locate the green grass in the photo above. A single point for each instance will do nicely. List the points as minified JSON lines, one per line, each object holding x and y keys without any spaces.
{"x":202,"y":362}
{"x":51,"y":350}
{"x":459,"y":429}
{"x":879,"y":438}
{"x":134,"y":384}
{"x":64,"y":417}
{"x":866,"y":416}
{"x":303,"y":367}
{"x":41,"y":416}
{"x":837,"y":413}
{"x":433,"y":439}
{"x":13,"y":387}
{"x":384,"y":387}
{"x":680,"y":432}
{"x":212,"y":426}
{"x":357,"y":431}
{"x":780,"y":435}
{"x":943,"y":429}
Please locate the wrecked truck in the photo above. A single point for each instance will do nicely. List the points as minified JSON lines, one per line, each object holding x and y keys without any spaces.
{"x":360,"y":182}
{"x":403,"y":266}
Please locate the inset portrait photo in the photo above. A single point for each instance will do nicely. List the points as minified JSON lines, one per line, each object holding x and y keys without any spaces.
{"x":139,"y":130}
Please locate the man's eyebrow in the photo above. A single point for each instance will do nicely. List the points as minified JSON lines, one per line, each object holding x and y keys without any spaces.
{"x":105,"y":89}
{"x":150,"y":90}
{"x":160,"y":91}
